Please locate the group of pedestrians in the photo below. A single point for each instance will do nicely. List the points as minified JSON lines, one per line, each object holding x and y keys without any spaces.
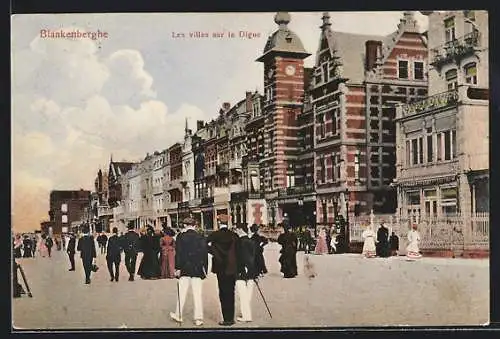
{"x":237,"y":261}
{"x":382,"y":245}
{"x":26,"y":246}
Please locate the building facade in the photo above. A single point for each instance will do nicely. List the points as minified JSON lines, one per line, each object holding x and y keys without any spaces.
{"x":67,"y":207}
{"x":443,"y":141}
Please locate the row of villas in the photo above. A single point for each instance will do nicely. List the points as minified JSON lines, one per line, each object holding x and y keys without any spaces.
{"x":395,"y":123}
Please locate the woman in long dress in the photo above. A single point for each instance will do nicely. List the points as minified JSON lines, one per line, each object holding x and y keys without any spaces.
{"x":167,"y":244}
{"x":369,"y":249}
{"x":42,"y":248}
{"x":413,"y":251}
{"x":150,"y":263}
{"x":321,"y":246}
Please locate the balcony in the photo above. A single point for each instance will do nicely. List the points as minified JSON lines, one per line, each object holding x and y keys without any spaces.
{"x":455,"y":50}
{"x":174,"y":184}
{"x":234,"y":188}
{"x":210,"y":171}
{"x":157,"y":190}
{"x":295,"y":190}
{"x":223,"y":168}
{"x":104,"y":211}
{"x":235,"y":164}
{"x":432,"y":103}
{"x":207,"y":201}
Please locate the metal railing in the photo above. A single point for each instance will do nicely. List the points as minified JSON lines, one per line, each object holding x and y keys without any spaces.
{"x":449,"y":232}
{"x":455,"y":49}
{"x":437,"y":101}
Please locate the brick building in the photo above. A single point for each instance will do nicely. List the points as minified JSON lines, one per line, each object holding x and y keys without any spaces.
{"x":357,"y":80}
{"x":443,"y":141}
{"x":67,"y":207}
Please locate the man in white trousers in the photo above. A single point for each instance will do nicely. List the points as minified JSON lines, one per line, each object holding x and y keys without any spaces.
{"x":246,"y":254}
{"x":191,"y":264}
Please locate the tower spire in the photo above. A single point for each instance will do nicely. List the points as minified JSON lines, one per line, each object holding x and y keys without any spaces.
{"x":282,"y":19}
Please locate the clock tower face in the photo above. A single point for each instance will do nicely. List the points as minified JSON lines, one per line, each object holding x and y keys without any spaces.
{"x":290,"y":70}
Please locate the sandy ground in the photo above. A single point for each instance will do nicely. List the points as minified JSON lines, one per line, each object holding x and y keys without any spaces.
{"x":347,"y":291}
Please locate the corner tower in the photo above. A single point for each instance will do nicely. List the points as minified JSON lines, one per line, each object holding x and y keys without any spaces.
{"x":283,"y":59}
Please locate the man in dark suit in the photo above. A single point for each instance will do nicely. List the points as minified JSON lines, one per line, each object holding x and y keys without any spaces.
{"x":113,"y":255}
{"x":86,"y":246}
{"x":70,"y":248}
{"x":191,"y":264}
{"x":131,"y":248}
{"x":222,"y":246}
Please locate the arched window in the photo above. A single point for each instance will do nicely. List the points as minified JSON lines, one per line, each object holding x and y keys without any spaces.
{"x":451,"y":79}
{"x":470,"y":71}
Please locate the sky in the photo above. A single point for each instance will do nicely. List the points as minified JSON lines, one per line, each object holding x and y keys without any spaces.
{"x":77,"y":101}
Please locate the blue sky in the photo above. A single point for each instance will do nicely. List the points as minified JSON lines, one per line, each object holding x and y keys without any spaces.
{"x":74,"y":102}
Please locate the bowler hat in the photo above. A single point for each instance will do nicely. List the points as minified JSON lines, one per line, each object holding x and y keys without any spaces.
{"x":254,"y":228}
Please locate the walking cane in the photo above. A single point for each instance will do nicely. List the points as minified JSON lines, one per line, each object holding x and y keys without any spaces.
{"x":263,"y":299}
{"x":25,"y":280}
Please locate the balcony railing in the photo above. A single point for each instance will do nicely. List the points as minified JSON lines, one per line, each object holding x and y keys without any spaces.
{"x":235,"y":163}
{"x":104,"y":210}
{"x":431,"y":103}
{"x":223,"y":168}
{"x":454,"y":49}
{"x":210,"y":171}
{"x":295,"y":190}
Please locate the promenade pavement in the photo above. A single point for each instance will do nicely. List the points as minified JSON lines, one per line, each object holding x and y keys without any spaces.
{"x":347,"y":291}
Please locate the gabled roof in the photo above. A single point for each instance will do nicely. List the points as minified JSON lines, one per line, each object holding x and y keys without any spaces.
{"x":119,"y":168}
{"x":351,"y":49}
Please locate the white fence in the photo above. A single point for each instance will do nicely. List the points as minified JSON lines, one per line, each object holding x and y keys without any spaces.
{"x":448,"y":232}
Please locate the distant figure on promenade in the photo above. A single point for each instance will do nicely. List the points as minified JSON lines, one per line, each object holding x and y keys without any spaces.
{"x":102,"y":239}
{"x":70,"y":249}
{"x":34,"y":241}
{"x":42,"y":248}
{"x":191,"y":264}
{"x":413,"y":250}
{"x":114,"y":255}
{"x":49,"y":243}
{"x":260,"y":242}
{"x":382,"y":241}
{"x":131,"y":248}
{"x":222,"y":246}
{"x":27,"y":247}
{"x":86,"y":247}
{"x":247,"y":272}
{"x":394,"y":244}
{"x":18,"y":244}
{"x":167,"y":257}
{"x":328,"y":238}
{"x":149,"y":267}
{"x":369,"y":249}
{"x":321,"y":246}
{"x":288,"y":257}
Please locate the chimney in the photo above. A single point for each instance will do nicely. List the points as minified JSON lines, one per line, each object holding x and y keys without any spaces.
{"x":226,"y":106}
{"x":199,"y":124}
{"x":248,"y":101}
{"x":371,"y":53}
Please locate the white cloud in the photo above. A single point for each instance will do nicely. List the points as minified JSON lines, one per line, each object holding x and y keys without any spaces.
{"x":129,"y":82}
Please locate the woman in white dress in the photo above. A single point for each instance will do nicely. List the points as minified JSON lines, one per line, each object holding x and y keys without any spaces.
{"x":413,"y":251}
{"x":369,"y":242}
